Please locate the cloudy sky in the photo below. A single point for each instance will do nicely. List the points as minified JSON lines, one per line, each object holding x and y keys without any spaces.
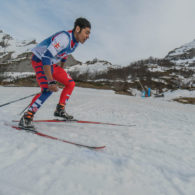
{"x":122,"y":30}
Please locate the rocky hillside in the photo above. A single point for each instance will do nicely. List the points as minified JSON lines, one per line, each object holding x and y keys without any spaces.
{"x":183,"y":55}
{"x":175,"y":71}
{"x":15,"y":55}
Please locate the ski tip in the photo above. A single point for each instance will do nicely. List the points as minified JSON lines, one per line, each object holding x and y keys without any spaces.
{"x":96,"y":147}
{"x":100,"y":147}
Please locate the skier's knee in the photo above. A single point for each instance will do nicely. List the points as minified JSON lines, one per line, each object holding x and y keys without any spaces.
{"x":71,"y":84}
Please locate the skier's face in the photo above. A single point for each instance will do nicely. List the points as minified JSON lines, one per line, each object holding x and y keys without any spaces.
{"x":82,"y":35}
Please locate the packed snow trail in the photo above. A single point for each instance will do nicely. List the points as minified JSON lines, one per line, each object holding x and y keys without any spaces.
{"x":157,"y":156}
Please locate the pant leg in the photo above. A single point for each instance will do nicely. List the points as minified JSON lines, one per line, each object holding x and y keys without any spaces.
{"x":39,"y":99}
{"x":64,"y":78}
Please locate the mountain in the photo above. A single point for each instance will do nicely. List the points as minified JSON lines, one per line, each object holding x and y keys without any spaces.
{"x":15,"y":55}
{"x":175,"y":71}
{"x":184,"y":54}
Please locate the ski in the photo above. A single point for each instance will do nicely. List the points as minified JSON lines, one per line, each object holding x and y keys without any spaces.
{"x":77,"y":121}
{"x":58,"y":139}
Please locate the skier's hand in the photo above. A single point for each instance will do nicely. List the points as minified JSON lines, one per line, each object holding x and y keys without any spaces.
{"x":52,"y":86}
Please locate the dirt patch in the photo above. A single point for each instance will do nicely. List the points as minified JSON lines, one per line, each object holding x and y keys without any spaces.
{"x":22,"y":82}
{"x":185,"y":100}
{"x":92,"y":85}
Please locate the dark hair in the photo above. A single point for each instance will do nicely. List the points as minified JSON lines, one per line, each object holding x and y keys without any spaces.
{"x":82,"y":23}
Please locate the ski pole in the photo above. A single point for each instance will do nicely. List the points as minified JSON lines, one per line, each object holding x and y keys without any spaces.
{"x":25,"y":109}
{"x":141,"y":85}
{"x":17,"y":100}
{"x":28,"y":105}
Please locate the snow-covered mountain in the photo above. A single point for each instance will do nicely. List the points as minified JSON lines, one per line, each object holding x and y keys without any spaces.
{"x":15,"y":55}
{"x":175,"y":71}
{"x":185,"y":52}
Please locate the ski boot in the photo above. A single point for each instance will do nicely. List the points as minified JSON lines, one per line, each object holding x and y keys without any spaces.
{"x":26,"y":121}
{"x":60,"y":112}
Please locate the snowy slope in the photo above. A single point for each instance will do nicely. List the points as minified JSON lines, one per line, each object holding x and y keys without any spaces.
{"x":154,"y":157}
{"x":184,"y":48}
{"x":9,"y":45}
{"x":184,"y":55}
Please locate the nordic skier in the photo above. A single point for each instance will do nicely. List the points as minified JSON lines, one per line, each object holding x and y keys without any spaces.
{"x":45,"y":57}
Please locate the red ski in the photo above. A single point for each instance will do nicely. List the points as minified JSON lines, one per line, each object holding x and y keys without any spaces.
{"x":58,"y":139}
{"x":78,"y":121}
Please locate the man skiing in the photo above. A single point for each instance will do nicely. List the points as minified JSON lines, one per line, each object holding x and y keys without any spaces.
{"x":45,"y":57}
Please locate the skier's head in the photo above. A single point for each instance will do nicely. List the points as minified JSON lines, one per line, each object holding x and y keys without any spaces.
{"x":81,"y":30}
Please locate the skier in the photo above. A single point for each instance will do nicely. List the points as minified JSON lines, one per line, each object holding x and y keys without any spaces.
{"x":45,"y":57}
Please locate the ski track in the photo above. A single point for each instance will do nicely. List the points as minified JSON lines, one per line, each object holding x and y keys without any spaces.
{"x":157,"y":156}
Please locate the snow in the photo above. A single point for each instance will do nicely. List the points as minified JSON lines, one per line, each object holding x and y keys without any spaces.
{"x":12,"y":45}
{"x":11,"y":76}
{"x":156,"y":69}
{"x":157,"y":156}
{"x":92,"y":69}
{"x":178,"y":93}
{"x":184,"y":48}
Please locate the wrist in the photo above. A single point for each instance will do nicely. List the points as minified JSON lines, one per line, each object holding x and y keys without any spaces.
{"x":52,"y":82}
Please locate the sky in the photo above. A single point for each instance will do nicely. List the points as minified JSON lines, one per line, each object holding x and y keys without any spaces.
{"x":122,"y":30}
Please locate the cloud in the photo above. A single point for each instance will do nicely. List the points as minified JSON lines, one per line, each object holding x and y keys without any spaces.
{"x":122,"y":31}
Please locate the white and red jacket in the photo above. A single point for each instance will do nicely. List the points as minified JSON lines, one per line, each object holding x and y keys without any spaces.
{"x":55,"y":48}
